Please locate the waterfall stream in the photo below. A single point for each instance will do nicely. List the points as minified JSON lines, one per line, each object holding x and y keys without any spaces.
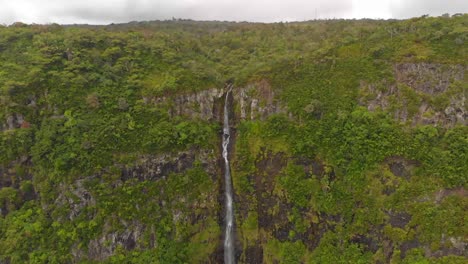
{"x":229,"y":220}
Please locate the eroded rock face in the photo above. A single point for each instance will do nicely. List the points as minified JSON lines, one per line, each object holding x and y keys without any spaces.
{"x":252,"y":102}
{"x":428,"y":78}
{"x":102,"y":248}
{"x":400,"y":166}
{"x":12,"y":175}
{"x":424,"y":93}
{"x":153,"y":167}
{"x":257,"y":101}
{"x":273,"y":210}
{"x":399,"y":219}
{"x":75,"y":199}
{"x":200,"y":105}
{"x":443,"y":193}
{"x":12,"y":121}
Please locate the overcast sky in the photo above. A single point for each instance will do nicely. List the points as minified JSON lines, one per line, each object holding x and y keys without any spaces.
{"x":116,"y":11}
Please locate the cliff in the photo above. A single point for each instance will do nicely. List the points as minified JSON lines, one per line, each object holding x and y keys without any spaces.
{"x":348,"y":143}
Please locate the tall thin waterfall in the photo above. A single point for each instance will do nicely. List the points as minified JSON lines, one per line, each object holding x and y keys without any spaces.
{"x":229,"y":220}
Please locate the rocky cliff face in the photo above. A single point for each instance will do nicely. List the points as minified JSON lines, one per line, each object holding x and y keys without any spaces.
{"x":13,"y":121}
{"x":78,"y":198}
{"x":255,"y":101}
{"x":423,"y":93}
{"x":277,"y":217}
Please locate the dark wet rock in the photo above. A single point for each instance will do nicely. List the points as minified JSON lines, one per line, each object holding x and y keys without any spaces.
{"x":368,"y":242}
{"x":398,"y":169}
{"x":282,"y":234}
{"x":387,"y":250}
{"x":400,"y":166}
{"x":388,"y":190}
{"x":399,"y":219}
{"x":407,"y":246}
{"x":254,"y":254}
{"x":311,"y":166}
{"x":13,"y":175}
{"x":269,"y":168}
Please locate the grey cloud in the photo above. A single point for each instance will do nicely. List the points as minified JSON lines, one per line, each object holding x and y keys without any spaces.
{"x":414,"y":8}
{"x":116,"y":11}
{"x":126,"y":10}
{"x":239,"y":10}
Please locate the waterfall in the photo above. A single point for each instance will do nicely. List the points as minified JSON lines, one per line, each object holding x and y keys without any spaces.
{"x":229,"y":220}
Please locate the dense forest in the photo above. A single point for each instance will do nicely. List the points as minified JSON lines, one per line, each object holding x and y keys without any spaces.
{"x":350,"y":141}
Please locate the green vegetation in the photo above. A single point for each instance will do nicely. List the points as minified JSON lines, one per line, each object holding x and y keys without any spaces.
{"x":87,"y":120}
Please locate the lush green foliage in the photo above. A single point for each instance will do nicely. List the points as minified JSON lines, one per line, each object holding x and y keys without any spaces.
{"x":79,"y":106}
